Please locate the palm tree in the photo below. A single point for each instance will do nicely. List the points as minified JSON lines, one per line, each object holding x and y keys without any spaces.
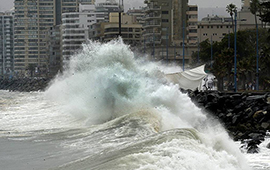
{"x":254,"y":8}
{"x":231,"y":8}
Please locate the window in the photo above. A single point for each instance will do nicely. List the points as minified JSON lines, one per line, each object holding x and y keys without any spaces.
{"x":165,"y":20}
{"x":165,"y":12}
{"x":193,"y":30}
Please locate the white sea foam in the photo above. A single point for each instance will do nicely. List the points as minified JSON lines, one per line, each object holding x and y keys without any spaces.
{"x":106,"y":81}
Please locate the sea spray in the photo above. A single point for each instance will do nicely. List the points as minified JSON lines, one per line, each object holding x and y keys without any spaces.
{"x":106,"y":82}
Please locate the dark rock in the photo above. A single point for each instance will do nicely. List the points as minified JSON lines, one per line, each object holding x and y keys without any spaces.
{"x":265,"y":125}
{"x":24,"y":84}
{"x":235,"y":119}
{"x":268,"y":146}
{"x":253,"y":149}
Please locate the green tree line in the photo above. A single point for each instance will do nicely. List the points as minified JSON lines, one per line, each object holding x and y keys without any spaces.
{"x":222,"y":64}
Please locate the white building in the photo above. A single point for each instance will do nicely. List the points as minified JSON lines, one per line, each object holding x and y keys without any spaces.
{"x":6,"y":44}
{"x":74,"y":29}
{"x":104,"y":9}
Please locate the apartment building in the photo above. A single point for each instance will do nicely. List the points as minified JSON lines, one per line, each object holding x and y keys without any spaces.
{"x":192,"y":15}
{"x":214,"y":28}
{"x":32,"y":20}
{"x":6,"y":44}
{"x":138,"y":13}
{"x":74,"y":29}
{"x":53,"y":38}
{"x":170,"y":30}
{"x":104,"y":9}
{"x":65,"y":6}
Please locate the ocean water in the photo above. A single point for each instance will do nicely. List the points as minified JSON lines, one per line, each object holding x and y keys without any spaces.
{"x":112,"y":110}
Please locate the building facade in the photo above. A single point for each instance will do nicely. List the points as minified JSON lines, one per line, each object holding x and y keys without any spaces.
{"x":192,"y":28}
{"x":214,"y":28}
{"x":170,"y":30}
{"x":104,"y":9}
{"x":32,"y":20}
{"x":67,"y":6}
{"x":131,"y":30}
{"x":74,"y":29}
{"x":53,"y":51}
{"x":6,"y":44}
{"x":138,"y":13}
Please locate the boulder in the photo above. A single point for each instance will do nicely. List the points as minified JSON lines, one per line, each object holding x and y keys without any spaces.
{"x":268,"y":146}
{"x":265,"y":125}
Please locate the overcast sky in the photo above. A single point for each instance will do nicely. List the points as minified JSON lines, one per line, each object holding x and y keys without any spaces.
{"x":216,"y":5}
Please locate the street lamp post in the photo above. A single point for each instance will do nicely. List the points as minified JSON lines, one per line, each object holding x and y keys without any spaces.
{"x":183,"y":44}
{"x":229,"y":40}
{"x":153,"y":45}
{"x":120,"y":20}
{"x":167,"y":46}
{"x":144,"y":44}
{"x":198,"y":57}
{"x":211,"y":51}
{"x":235,"y":69}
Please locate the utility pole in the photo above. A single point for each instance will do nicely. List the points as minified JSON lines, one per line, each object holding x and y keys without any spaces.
{"x":257,"y":58}
{"x":167,"y":46}
{"x":229,"y":40}
{"x":183,"y":43}
{"x":153,"y":45}
{"x":198,"y":57}
{"x":211,"y":51}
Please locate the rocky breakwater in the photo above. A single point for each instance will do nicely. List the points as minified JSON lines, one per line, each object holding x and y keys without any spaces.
{"x":246,"y":116}
{"x":24,"y":84}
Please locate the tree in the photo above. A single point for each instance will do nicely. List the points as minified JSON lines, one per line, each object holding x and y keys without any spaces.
{"x":246,"y":57}
{"x":222,"y":66}
{"x":265,"y":12}
{"x":231,"y":8}
{"x":31,"y":68}
{"x":254,"y":9}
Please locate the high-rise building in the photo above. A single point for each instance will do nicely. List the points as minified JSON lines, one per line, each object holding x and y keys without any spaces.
{"x":74,"y":29}
{"x":65,"y":6}
{"x":32,"y":20}
{"x":6,"y":44}
{"x":192,"y":14}
{"x":166,"y":29}
{"x":53,"y":38}
{"x":104,"y":9}
{"x":164,"y":21}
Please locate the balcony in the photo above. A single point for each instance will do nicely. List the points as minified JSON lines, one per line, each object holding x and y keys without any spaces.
{"x":151,"y":32}
{"x":152,"y":8}
{"x":151,"y":24}
{"x":152,"y":16}
{"x":149,"y":40}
